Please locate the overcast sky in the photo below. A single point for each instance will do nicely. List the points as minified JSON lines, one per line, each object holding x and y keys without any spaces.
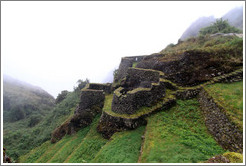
{"x":53,"y":44}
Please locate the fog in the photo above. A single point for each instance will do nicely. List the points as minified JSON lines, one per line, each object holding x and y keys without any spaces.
{"x":53,"y":44}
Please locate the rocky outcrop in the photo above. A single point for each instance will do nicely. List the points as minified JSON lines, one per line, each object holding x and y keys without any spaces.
{"x":227,"y":134}
{"x":91,"y":103}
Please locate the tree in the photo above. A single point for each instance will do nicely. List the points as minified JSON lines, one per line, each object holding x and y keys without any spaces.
{"x":81,"y":84}
{"x":219,"y":26}
{"x":61,"y":96}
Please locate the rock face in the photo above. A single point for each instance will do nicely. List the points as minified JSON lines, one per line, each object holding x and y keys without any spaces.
{"x":141,"y":88}
{"x":91,"y":103}
{"x":225,"y":132}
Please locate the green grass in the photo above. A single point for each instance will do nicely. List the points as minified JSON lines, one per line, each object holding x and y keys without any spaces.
{"x":230,"y":96}
{"x":36,"y":153}
{"x":178,"y":135}
{"x":52,"y":151}
{"x":89,"y":146}
{"x":68,"y":148}
{"x":123,"y":148}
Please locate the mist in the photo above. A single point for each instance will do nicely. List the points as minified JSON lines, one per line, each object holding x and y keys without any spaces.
{"x":53,"y":44}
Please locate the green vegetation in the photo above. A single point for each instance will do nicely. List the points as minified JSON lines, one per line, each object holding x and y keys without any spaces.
{"x":230,"y":96}
{"x":234,"y":157}
{"x":88,"y":147}
{"x":178,"y":135}
{"x":226,"y":47}
{"x":21,"y":136}
{"x":219,"y":26}
{"x":61,"y":96}
{"x":124,"y":147}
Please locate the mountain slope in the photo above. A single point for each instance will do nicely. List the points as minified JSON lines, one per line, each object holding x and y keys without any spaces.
{"x":234,"y":17}
{"x":176,"y":135}
{"x":20,"y":136}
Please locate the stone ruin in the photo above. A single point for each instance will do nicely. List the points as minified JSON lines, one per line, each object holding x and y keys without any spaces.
{"x":141,"y":87}
{"x":91,"y":103}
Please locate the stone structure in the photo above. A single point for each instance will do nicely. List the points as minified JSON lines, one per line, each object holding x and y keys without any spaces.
{"x":91,"y":103}
{"x":105,"y":87}
{"x":142,"y":87}
{"x":224,"y":131}
{"x":125,"y":63}
{"x":109,"y":124}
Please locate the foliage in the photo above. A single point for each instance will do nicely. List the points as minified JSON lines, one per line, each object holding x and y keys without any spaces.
{"x":61,"y":96}
{"x":115,"y":73}
{"x":219,"y":26}
{"x":178,"y":135}
{"x":21,"y":136}
{"x":20,"y":101}
{"x":124,"y":147}
{"x":230,"y":95}
{"x":81,"y":84}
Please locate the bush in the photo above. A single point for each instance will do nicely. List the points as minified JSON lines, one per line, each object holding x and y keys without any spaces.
{"x":220,"y":26}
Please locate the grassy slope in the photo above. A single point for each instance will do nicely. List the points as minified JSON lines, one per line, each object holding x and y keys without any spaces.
{"x":230,"y":96}
{"x":89,"y":147}
{"x":123,"y":148}
{"x":19,"y":139}
{"x":178,"y":135}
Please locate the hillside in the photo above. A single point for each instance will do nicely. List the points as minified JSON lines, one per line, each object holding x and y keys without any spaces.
{"x":234,"y":17}
{"x":182,"y":105}
{"x":20,"y":136}
{"x":22,"y":100}
{"x":176,"y":135}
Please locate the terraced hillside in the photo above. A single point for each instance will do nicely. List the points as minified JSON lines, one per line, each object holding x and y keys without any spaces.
{"x":175,"y":135}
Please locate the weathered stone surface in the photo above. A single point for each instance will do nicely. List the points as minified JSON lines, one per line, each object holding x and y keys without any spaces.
{"x":108,"y":125}
{"x":140,"y":78}
{"x":90,"y":98}
{"x":218,"y":124}
{"x":142,"y":88}
{"x":190,"y":68}
{"x":105,"y":87}
{"x":91,"y":103}
{"x":187,"y":93}
{"x":125,"y":63}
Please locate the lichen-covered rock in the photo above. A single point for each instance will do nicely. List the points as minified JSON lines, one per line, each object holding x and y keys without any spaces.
{"x":224,"y":131}
{"x":228,"y":157}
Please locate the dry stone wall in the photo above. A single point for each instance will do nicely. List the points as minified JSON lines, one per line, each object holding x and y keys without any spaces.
{"x":142,"y":88}
{"x":218,"y":124}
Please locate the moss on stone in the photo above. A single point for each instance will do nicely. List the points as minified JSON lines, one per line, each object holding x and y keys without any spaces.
{"x":234,"y":157}
{"x":140,"y":112}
